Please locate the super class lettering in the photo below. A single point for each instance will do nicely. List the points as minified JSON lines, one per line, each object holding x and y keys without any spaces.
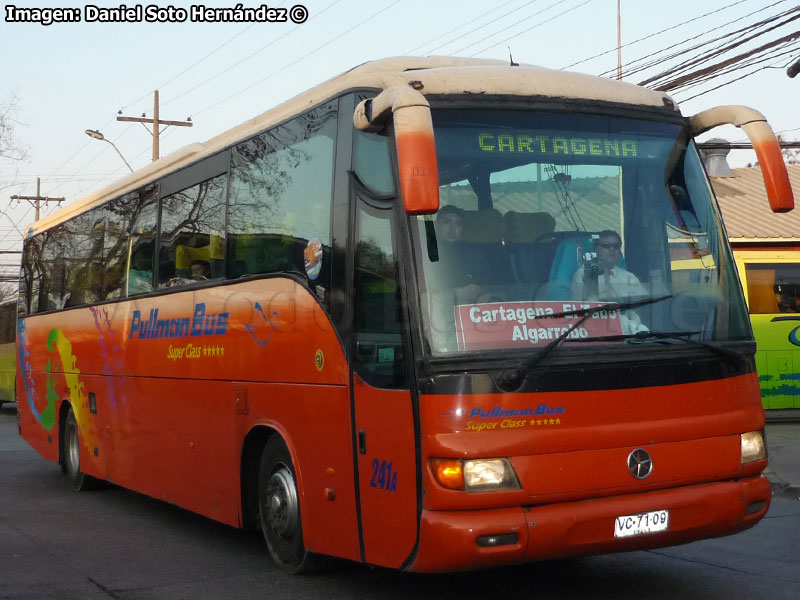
{"x":200,"y":324}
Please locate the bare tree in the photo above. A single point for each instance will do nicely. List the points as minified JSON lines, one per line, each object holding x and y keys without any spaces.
{"x":790,"y":155}
{"x":10,"y":148}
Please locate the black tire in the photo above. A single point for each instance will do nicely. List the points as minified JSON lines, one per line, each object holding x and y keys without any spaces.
{"x":279,"y":509}
{"x":72,"y":456}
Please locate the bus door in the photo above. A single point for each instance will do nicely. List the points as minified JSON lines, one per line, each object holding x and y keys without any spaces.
{"x":771,"y":280}
{"x":383,"y":416}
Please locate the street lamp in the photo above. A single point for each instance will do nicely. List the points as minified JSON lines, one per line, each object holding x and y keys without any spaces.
{"x":93,"y":133}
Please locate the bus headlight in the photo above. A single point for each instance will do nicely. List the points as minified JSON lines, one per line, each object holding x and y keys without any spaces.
{"x":753,"y":447}
{"x":484,"y":475}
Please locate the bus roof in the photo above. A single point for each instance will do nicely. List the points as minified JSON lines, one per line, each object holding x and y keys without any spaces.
{"x":439,"y":75}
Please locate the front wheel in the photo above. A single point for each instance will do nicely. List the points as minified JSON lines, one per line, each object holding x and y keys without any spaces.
{"x":72,"y":456}
{"x":279,"y":508}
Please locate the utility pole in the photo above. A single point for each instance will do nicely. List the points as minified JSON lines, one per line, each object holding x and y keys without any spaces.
{"x":38,"y":198}
{"x":156,"y":122}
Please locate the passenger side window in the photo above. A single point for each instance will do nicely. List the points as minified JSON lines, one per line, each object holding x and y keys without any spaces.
{"x":773,"y":288}
{"x":81,"y":269}
{"x":141,"y":209}
{"x":373,"y":166}
{"x":193,"y":234}
{"x":59,"y":246}
{"x":280,"y":200}
{"x":379,"y":352}
{"x":30,"y":280}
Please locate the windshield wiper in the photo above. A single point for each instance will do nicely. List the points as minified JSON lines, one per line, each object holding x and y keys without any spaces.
{"x":642,"y":336}
{"x":514,"y":377}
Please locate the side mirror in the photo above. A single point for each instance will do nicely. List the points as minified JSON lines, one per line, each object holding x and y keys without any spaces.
{"x":768,"y":151}
{"x":416,"y":149}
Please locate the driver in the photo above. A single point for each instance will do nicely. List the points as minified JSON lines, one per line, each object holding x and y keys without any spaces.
{"x":614,"y":283}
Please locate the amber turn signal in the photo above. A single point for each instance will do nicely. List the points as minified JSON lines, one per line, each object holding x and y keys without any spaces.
{"x":448,"y":473}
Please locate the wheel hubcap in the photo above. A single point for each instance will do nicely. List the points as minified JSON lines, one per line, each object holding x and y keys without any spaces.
{"x":282,"y":507}
{"x":73,"y":452}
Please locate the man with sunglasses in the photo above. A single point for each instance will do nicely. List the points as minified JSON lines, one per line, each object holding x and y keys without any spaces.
{"x":613,"y":283}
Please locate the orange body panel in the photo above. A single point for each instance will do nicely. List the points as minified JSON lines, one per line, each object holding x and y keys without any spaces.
{"x":419,"y":177}
{"x":776,"y":178}
{"x":448,"y":539}
{"x":569,"y":451}
{"x":387,"y":474}
{"x":166,"y":388}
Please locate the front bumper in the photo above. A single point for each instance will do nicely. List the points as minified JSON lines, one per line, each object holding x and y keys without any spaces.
{"x":449,"y":540}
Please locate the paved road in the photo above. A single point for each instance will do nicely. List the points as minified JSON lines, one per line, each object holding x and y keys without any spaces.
{"x":112,"y":543}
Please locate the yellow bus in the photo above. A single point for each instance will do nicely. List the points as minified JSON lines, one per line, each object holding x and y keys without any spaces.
{"x":8,"y":329}
{"x":771,"y":282}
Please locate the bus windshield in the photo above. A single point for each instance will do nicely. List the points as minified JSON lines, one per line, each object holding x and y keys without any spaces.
{"x":546,"y":213}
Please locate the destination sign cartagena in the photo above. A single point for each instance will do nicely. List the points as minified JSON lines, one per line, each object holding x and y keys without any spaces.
{"x":530,"y":324}
{"x":550,"y":145}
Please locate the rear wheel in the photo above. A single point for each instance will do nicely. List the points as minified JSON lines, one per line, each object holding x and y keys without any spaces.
{"x":279,"y":508}
{"x":72,"y":456}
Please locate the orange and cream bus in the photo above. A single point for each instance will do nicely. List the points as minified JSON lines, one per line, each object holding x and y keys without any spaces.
{"x":377,"y":323}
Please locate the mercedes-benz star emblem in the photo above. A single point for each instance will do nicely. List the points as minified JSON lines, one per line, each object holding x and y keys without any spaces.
{"x":640,"y":464}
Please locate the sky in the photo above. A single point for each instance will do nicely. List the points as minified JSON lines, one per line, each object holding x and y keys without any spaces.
{"x":69,"y":77}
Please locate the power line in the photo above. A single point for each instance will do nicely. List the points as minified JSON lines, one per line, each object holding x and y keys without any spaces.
{"x":206,"y":57}
{"x":725,"y":84}
{"x":446,"y":33}
{"x":679,"y":81}
{"x":647,"y":37}
{"x":569,"y":10}
{"x":628,"y":67}
{"x":535,"y":14}
{"x":769,"y":55}
{"x":291,"y":64}
{"x":249,"y":57}
{"x":684,"y":66}
{"x":482,"y":26}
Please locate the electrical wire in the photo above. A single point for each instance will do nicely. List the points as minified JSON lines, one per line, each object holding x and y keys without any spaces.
{"x":482,"y":25}
{"x":724,"y":84}
{"x":494,"y":33}
{"x":247,"y":58}
{"x":294,"y":62}
{"x":768,"y":56}
{"x":647,"y":37}
{"x":661,"y":82}
{"x":679,"y":81}
{"x":561,"y":14}
{"x":629,"y":69}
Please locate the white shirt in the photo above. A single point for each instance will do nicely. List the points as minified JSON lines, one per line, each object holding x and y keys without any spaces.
{"x":615,"y":285}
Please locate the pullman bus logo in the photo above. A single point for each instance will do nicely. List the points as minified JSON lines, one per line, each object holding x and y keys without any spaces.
{"x":200,"y":324}
{"x":640,"y":464}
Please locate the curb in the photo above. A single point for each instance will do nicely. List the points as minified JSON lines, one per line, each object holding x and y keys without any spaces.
{"x":780,"y":487}
{"x":790,"y":492}
{"x":789,"y":415}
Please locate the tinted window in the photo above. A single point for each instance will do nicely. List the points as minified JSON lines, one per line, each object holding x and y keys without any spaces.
{"x":31,"y":276}
{"x":141,"y":211}
{"x":773,"y":288}
{"x":373,"y":165}
{"x":280,"y":202}
{"x":379,"y":356}
{"x":193,"y":233}
{"x":8,"y":321}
